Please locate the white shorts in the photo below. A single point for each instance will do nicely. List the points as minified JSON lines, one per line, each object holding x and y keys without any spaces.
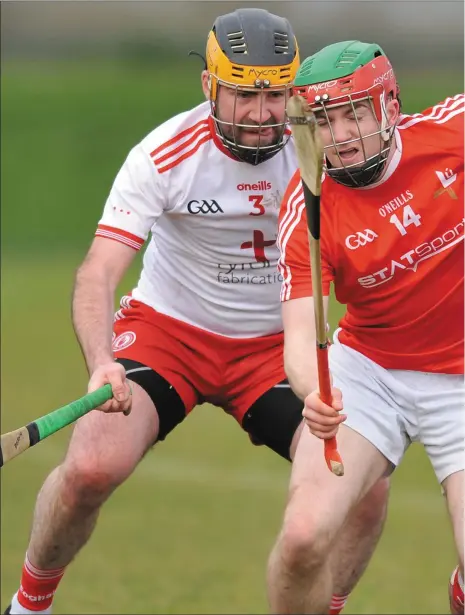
{"x":392,"y":408}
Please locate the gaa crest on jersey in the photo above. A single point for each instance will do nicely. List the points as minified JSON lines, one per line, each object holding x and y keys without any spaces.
{"x":360,"y":239}
{"x":204,"y":207}
{"x":447,"y":178}
{"x":123,"y":341}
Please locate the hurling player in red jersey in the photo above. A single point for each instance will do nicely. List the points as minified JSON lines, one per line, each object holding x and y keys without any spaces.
{"x":392,"y":245}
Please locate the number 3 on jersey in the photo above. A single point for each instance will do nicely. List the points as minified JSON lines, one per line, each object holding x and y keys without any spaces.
{"x":257,"y":204}
{"x":409,"y":217}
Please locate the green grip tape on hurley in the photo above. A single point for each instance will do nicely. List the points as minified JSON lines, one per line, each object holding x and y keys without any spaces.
{"x":56,"y":420}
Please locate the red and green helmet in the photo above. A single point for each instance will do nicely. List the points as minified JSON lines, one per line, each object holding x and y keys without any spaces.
{"x":350,"y":70}
{"x":345,"y":73}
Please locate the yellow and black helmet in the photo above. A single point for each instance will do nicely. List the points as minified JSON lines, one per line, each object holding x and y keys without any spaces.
{"x":251,"y":48}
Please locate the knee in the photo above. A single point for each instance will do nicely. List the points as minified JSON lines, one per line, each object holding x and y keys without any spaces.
{"x":87,"y":482}
{"x":304,"y":541}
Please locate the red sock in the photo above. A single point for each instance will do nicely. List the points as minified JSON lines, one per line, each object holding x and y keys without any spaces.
{"x":38,"y":586}
{"x":456,"y":593}
{"x":337,"y":604}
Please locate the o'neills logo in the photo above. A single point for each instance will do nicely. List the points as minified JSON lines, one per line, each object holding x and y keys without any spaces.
{"x":37,"y":597}
{"x":397,"y":201}
{"x":262,"y":185}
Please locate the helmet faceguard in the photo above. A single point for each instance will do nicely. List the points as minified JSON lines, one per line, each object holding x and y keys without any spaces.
{"x":251,"y":50}
{"x":346,"y":74}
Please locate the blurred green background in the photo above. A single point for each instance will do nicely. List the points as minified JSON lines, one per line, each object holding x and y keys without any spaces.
{"x":190,"y":532}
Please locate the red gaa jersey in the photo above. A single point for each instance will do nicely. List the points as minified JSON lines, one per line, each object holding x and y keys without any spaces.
{"x":393,"y":250}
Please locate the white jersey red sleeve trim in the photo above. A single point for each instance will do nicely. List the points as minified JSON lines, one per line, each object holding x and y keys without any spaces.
{"x":135,"y":202}
{"x":181,"y":146}
{"x":119,"y":235}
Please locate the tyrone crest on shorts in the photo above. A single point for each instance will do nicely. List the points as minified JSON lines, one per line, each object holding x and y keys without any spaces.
{"x":124,"y":340}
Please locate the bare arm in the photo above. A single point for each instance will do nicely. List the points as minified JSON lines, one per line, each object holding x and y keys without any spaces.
{"x":93,"y":298}
{"x":299,"y":344}
{"x":301,"y":368}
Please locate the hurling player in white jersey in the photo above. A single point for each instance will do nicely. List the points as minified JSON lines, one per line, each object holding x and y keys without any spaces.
{"x":203,"y":323}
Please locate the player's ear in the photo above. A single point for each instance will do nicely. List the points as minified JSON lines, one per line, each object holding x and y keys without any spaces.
{"x":206,"y":84}
{"x":392,"y":111}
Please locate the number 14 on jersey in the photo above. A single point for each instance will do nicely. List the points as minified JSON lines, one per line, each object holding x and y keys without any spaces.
{"x":408,"y":217}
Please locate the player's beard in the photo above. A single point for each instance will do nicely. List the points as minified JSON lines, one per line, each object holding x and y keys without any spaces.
{"x":258,"y":134}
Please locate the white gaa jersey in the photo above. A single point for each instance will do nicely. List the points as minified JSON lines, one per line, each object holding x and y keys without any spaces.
{"x":212,"y":257}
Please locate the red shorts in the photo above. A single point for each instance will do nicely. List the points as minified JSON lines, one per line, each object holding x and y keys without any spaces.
{"x":201,"y":366}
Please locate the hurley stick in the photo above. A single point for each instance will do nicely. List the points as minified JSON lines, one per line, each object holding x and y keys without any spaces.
{"x":310,"y":158}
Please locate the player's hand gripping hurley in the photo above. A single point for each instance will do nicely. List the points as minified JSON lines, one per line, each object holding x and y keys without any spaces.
{"x":16,"y":442}
{"x":310,"y":158}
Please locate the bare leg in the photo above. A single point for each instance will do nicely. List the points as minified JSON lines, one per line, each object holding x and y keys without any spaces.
{"x":357,"y":540}
{"x":300,"y":575}
{"x":104,"y":450}
{"x":454,"y":490}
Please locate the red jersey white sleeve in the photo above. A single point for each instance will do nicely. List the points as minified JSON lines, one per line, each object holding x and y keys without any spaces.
{"x":211,"y":224}
{"x":393,"y":250}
